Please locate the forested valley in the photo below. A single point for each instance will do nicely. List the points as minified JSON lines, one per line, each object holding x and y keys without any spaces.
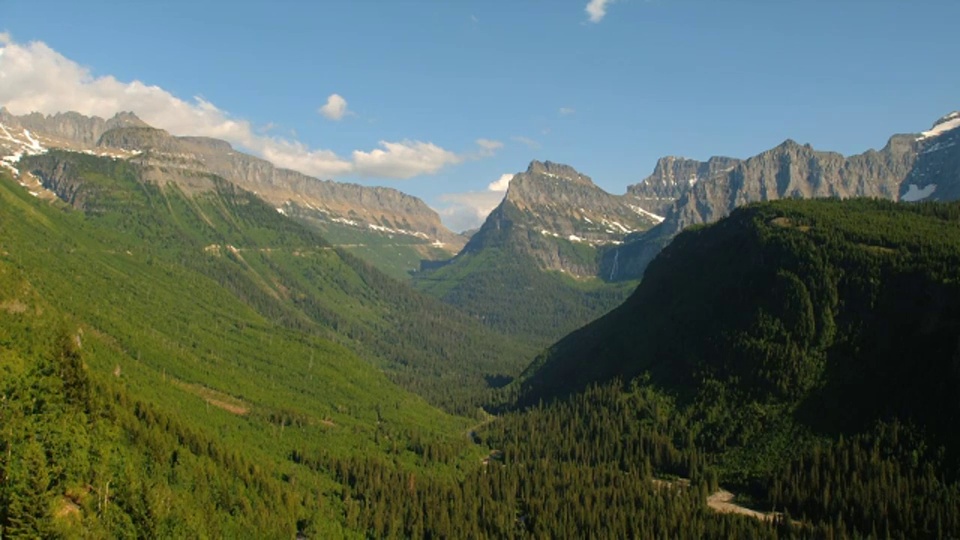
{"x":195,"y":364}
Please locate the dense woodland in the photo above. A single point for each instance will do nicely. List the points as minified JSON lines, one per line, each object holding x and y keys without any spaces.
{"x":194,"y":364}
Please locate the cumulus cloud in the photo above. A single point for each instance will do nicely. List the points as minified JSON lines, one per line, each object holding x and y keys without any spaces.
{"x":566,"y":111}
{"x":335,"y":108}
{"x":468,"y":210}
{"x":36,"y":78}
{"x":597,"y":9}
{"x":500,"y":184}
{"x":403,"y":159}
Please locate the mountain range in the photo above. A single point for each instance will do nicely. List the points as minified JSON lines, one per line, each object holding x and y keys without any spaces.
{"x":910,"y":168}
{"x":182,"y":357}
{"x":390,"y":228}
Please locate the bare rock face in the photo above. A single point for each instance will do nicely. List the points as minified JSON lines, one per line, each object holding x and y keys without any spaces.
{"x":71,"y":126}
{"x":672,"y":178}
{"x":936,"y":174}
{"x":560,"y":217}
{"x":791,"y":170}
{"x":167,"y":158}
{"x":909,"y":168}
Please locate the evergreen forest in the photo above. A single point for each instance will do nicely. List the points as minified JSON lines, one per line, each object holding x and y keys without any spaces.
{"x":180,"y":360}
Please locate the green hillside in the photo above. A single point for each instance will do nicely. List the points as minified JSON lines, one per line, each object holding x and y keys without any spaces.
{"x":142,"y":395}
{"x":187,"y":362}
{"x":284,"y":272}
{"x":397,"y":255}
{"x":806,"y":349}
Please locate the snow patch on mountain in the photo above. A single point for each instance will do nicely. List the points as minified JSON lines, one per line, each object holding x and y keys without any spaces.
{"x":16,"y":145}
{"x":945,"y":124}
{"x":653,"y":217}
{"x":915,"y":193}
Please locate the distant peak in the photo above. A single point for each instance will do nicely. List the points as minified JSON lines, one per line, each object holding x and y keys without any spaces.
{"x":789,"y":143}
{"x":941,"y":126}
{"x":127,"y":119}
{"x":558,"y":170}
{"x":666,"y":163}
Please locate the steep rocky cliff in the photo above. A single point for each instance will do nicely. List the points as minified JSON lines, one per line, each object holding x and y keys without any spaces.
{"x":936,"y":174}
{"x":672,"y":178}
{"x":559,"y":217}
{"x":908,"y":168}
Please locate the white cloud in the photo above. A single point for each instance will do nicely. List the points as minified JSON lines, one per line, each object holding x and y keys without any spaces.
{"x":403,"y":159}
{"x":528,"y":142}
{"x":468,"y":210}
{"x":566,"y":111}
{"x":36,"y":78}
{"x":335,"y":108}
{"x":489,"y":145}
{"x":597,"y":9}
{"x":500,"y":184}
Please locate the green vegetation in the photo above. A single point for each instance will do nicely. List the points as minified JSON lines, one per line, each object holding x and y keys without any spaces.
{"x":509,"y":293}
{"x":809,"y":349}
{"x":178,"y":364}
{"x":284,"y":272}
{"x":396,"y":255}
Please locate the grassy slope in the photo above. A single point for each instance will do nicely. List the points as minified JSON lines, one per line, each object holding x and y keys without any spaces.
{"x":190,"y":333}
{"x":157,"y":318}
{"x":288,"y":274}
{"x":398,"y":255}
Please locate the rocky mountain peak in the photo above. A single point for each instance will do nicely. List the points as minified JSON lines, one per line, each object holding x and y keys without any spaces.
{"x":71,"y":129}
{"x":558,"y":170}
{"x":550,"y":208}
{"x":125,"y":119}
{"x":791,"y":145}
{"x":946,"y":123}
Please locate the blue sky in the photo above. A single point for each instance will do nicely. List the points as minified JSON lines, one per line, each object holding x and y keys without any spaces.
{"x":440,"y":99}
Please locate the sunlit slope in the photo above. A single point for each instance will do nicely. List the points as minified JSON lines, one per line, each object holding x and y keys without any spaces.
{"x":284,"y":272}
{"x":127,"y":368}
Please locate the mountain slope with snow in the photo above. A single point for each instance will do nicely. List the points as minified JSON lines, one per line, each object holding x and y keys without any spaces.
{"x":391,"y":229}
{"x":909,"y":168}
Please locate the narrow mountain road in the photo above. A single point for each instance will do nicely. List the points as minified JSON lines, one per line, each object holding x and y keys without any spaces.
{"x":721,"y":502}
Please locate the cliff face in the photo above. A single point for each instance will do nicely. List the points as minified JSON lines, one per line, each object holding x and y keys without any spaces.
{"x":373,"y":208}
{"x":908,"y":168}
{"x":70,"y":127}
{"x":936,"y":174}
{"x":672,"y":178}
{"x":792,"y":170}
{"x":560,"y":217}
